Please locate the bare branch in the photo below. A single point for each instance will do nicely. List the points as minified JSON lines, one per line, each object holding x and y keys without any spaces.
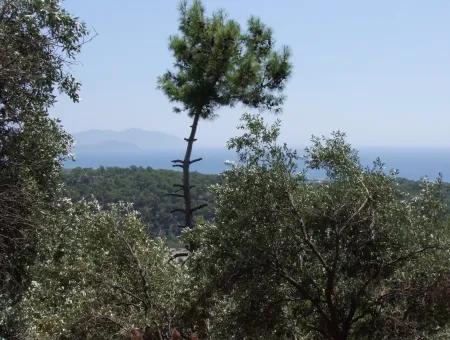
{"x":195,"y":160}
{"x":347,"y":223}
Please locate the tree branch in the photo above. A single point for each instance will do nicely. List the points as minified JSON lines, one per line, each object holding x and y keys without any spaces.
{"x":308,"y":241}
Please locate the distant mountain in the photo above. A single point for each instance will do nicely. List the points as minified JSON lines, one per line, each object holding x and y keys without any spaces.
{"x":142,"y":139}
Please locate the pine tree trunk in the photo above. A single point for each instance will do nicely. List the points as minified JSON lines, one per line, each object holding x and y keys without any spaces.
{"x":188,"y":210}
{"x":186,"y":186}
{"x":189,"y":221}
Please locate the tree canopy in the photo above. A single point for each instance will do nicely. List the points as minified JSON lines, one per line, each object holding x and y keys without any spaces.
{"x":352,"y":257}
{"x":217,"y":65}
{"x":98,"y":275}
{"x":39,"y":40}
{"x":146,"y":188}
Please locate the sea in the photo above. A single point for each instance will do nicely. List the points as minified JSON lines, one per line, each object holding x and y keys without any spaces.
{"x":411,"y":163}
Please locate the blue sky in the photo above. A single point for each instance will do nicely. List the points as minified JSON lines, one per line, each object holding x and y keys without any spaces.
{"x":378,"y":70}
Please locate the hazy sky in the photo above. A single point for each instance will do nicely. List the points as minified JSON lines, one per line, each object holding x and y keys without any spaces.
{"x":378,"y":70}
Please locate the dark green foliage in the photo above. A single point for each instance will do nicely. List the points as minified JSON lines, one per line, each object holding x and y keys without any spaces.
{"x":146,"y":188}
{"x":217,"y":65}
{"x":98,"y":276}
{"x":414,"y":188}
{"x":350,"y":258}
{"x":38,"y":42}
{"x":38,"y":39}
{"x":28,"y":184}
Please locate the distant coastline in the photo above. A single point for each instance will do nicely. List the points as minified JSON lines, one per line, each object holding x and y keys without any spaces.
{"x":155,"y":149}
{"x":412,"y":163}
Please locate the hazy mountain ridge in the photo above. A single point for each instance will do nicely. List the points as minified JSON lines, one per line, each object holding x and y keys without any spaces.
{"x":139,"y":138}
{"x":109,"y":146}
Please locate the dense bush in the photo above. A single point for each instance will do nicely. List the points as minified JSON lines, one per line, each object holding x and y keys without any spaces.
{"x":39,"y":40}
{"x":99,"y":276}
{"x":350,"y":258}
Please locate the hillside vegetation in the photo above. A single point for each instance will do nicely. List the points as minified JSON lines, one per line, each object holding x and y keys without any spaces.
{"x":147,"y":189}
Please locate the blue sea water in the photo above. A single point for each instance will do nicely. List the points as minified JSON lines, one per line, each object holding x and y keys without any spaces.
{"x":412,"y":163}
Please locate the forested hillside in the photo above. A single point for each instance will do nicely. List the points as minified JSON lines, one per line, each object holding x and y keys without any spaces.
{"x":148,"y":189}
{"x":414,"y":188}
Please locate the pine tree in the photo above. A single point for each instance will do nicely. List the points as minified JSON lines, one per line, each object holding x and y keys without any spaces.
{"x":218,"y":65}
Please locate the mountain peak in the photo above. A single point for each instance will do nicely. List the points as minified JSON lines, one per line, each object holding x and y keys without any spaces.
{"x":142,"y":139}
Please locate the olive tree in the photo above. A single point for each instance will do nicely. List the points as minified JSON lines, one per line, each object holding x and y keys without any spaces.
{"x":349,"y":257}
{"x":218,"y":65}
{"x":98,"y":275}
{"x":39,"y":41}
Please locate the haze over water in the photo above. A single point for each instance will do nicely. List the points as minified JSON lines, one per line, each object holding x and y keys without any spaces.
{"x":412,"y":163}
